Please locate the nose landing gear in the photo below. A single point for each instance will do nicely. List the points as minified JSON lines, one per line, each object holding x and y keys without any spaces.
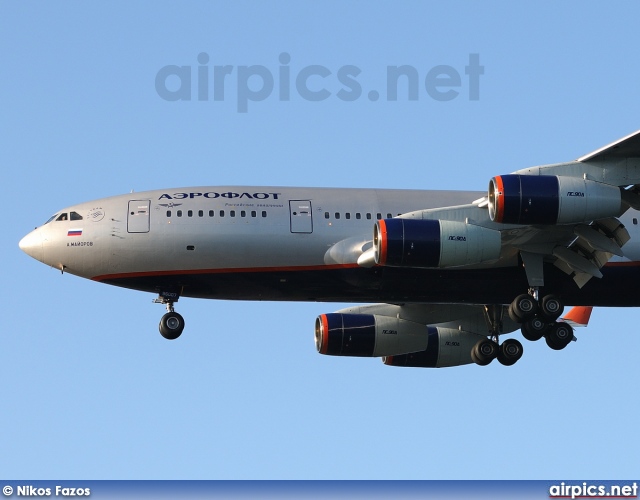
{"x":172,"y":323}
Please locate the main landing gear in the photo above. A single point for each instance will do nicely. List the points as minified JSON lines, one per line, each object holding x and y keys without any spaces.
{"x":172,"y":323}
{"x":538,"y":319}
{"x":486,"y":350}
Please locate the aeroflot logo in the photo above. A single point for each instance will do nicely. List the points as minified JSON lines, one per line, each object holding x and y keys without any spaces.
{"x":575,"y":193}
{"x":213,"y":195}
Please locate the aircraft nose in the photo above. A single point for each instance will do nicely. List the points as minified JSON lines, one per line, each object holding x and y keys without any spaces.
{"x":31,"y":244}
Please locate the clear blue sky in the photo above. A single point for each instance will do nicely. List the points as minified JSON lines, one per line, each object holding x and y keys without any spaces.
{"x":88,"y":387}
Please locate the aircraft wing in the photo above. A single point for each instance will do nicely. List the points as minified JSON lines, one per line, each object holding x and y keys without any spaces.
{"x":565,"y":214}
{"x":627,"y":147}
{"x":462,"y":317}
{"x":579,"y":250}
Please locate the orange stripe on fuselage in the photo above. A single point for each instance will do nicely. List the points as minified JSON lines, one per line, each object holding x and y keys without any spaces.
{"x":333,"y":267}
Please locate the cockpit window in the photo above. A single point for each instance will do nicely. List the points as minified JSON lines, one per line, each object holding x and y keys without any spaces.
{"x":75,"y":216}
{"x":63,"y":217}
{"x":50,"y":219}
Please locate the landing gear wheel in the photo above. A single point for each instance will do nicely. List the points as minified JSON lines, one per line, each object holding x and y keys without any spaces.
{"x":534,"y":329}
{"x":510,"y":351}
{"x":523,"y":307}
{"x":484,"y":352}
{"x":559,"y":336}
{"x":550,"y":308}
{"x":171,"y":325}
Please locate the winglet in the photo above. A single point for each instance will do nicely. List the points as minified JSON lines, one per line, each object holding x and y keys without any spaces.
{"x":578,"y":316}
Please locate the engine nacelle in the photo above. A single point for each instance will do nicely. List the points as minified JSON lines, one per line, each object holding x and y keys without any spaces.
{"x":550,"y":199}
{"x":367,"y":335}
{"x":446,"y":347}
{"x":433,"y":243}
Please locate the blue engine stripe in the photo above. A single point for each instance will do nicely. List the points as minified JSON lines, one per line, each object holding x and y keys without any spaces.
{"x":413,"y":243}
{"x":351,"y":334}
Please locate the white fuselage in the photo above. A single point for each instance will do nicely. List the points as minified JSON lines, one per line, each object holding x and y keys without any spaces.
{"x":256,"y":242}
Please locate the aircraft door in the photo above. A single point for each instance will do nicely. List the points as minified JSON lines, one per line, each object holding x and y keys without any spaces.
{"x":301,"y":218}
{"x":138,"y":216}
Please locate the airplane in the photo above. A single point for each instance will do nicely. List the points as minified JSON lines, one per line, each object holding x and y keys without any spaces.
{"x":442,"y":274}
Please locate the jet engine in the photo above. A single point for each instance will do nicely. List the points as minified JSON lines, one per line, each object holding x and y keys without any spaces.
{"x":433,"y":243}
{"x":445,"y":347}
{"x":367,"y":335}
{"x":399,"y":342}
{"x":551,"y":199}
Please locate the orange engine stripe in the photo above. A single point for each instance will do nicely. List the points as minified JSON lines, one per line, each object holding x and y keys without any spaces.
{"x":382,"y":242}
{"x":325,"y":334}
{"x":499,"y":198}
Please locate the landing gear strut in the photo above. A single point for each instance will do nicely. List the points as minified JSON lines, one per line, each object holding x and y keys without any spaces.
{"x":172,"y":323}
{"x":486,"y":350}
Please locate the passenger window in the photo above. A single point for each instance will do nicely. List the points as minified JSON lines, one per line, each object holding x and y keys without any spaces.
{"x":264,"y":213}
{"x":243,"y":213}
{"x":326,"y":215}
{"x":635,"y":221}
{"x":358,"y":215}
{"x":254,"y":213}
{"x":179,"y":213}
{"x":75,"y":216}
{"x":378,"y":216}
{"x":232,"y":213}
{"x":168,"y":213}
{"x":221,"y":213}
{"x":337,"y":215}
{"x":190,"y":213}
{"x":63,"y":217}
{"x":389,"y":216}
{"x":211,"y":213}
{"x":368,"y":216}
{"x":200,"y":213}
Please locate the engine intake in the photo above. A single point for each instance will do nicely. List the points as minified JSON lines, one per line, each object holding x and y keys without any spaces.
{"x":550,"y":199}
{"x":433,"y":243}
{"x":367,"y":335}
